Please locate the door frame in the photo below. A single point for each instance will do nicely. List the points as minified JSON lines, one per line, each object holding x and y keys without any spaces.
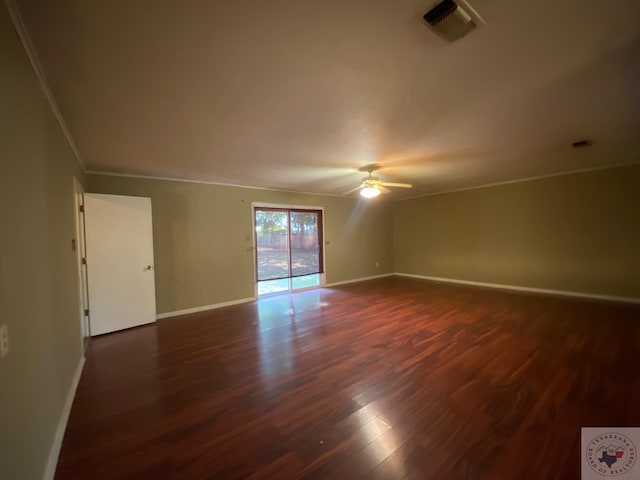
{"x":254,"y":249}
{"x":80,"y":246}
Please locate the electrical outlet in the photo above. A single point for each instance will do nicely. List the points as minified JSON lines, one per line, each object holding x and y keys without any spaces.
{"x":4,"y":340}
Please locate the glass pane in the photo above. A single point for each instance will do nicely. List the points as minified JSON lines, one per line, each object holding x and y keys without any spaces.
{"x":272,"y":238}
{"x":305,"y":282}
{"x":305,"y":246}
{"x":273,"y":286}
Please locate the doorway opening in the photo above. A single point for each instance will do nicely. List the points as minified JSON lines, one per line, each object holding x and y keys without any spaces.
{"x":289,"y":253}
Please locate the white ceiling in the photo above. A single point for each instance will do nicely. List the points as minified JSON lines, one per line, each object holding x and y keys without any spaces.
{"x":297,"y":95}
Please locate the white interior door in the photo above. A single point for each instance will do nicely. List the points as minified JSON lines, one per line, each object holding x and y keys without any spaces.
{"x":120,"y":262}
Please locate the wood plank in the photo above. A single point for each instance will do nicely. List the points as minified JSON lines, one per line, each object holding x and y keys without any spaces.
{"x":391,"y":378}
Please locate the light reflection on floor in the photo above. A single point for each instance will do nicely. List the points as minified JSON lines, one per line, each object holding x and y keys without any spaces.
{"x":280,"y":320}
{"x":278,"y":310}
{"x":380,"y":436}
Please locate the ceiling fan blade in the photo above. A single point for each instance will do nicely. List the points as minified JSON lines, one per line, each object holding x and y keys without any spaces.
{"x":353,"y":190}
{"x":398,"y":185}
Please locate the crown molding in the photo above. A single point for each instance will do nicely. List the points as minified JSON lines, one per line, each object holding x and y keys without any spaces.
{"x":25,"y":38}
{"x":522,"y":180}
{"x":206,"y":182}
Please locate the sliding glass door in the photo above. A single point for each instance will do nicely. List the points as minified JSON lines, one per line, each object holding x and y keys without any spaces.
{"x":288,"y":249}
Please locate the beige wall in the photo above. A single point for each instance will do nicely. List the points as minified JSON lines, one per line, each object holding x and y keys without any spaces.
{"x":38,"y":283}
{"x":203,"y":235}
{"x":577,"y":232}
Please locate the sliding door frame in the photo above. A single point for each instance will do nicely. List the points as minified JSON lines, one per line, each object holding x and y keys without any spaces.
{"x":254,"y":251}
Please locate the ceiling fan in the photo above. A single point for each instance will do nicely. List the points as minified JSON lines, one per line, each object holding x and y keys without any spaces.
{"x":372,"y":186}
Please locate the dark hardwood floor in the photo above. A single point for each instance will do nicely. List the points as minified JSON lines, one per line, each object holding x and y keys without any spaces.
{"x":387,"y":379}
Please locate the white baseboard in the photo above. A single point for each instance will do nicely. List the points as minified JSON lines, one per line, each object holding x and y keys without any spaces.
{"x":54,"y":452}
{"x":545,"y":291}
{"x":361,"y":279}
{"x":204,"y":308}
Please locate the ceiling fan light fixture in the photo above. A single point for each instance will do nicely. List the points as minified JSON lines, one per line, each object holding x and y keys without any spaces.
{"x":370,"y":192}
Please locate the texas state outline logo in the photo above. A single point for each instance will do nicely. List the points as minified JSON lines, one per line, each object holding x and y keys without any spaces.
{"x":610,"y":452}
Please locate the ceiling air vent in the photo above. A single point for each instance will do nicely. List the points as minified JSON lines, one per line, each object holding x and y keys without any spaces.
{"x":450,"y":20}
